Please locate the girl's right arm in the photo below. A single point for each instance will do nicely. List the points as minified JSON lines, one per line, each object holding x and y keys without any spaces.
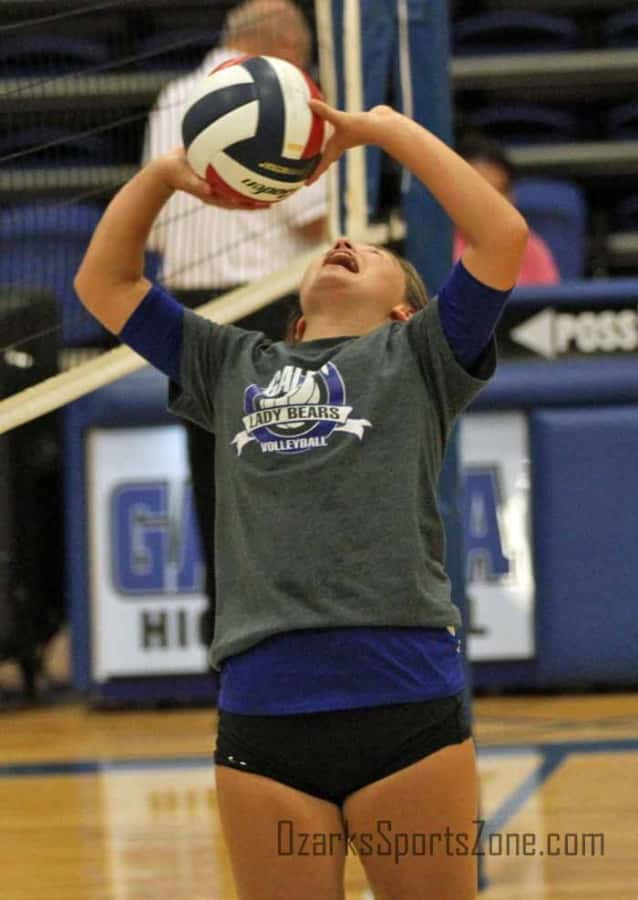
{"x":110,"y":281}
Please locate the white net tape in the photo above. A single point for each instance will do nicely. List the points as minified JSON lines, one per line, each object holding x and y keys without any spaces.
{"x":55,"y":392}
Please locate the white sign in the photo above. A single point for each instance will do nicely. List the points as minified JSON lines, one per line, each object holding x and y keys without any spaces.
{"x":146,"y":571}
{"x":497,"y":526}
{"x":552,"y":334}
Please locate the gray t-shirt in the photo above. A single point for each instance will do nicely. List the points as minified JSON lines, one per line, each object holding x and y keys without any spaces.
{"x":327,"y":459}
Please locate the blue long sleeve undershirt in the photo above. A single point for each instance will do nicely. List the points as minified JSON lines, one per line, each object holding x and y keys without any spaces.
{"x":469,"y":312}
{"x":155,"y":331}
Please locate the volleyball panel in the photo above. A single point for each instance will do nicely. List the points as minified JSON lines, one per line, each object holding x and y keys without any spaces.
{"x":204,"y":150}
{"x":291,"y":96}
{"x":216,"y":96}
{"x":289,"y":129}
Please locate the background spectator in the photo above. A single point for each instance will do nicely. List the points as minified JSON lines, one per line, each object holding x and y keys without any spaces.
{"x":491,"y":161}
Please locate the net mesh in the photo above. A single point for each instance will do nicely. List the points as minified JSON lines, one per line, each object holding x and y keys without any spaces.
{"x":77,"y":84}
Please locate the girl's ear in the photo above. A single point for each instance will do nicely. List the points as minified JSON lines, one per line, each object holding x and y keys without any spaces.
{"x":300,"y":327}
{"x":401,"y":313}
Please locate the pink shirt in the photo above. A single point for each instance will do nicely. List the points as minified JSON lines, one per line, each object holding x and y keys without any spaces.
{"x":538,"y":263}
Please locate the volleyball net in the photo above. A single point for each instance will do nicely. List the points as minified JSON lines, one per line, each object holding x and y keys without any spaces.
{"x":77,"y":86}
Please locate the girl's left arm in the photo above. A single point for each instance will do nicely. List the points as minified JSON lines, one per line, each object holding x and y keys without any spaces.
{"x":495,"y":231}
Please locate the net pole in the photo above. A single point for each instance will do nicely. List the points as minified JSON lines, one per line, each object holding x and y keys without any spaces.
{"x":356,"y":206}
{"x":343,"y":77}
{"x":328,"y":79}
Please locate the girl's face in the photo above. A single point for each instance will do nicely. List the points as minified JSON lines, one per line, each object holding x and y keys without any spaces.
{"x":355,"y":282}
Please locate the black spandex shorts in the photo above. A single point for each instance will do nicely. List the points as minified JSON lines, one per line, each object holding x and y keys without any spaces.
{"x":332,"y":754}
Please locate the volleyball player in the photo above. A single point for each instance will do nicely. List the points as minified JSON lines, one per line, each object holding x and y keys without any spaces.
{"x":341,"y":721}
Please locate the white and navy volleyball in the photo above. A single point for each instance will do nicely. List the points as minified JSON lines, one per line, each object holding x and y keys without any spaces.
{"x":249,"y":131}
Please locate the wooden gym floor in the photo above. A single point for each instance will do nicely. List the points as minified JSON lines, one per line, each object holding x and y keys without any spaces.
{"x":121,"y":806}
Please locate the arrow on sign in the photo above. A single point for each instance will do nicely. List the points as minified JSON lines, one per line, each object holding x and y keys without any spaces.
{"x":537,"y":334}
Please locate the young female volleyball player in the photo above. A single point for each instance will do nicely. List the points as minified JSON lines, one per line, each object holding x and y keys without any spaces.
{"x":341,"y":725}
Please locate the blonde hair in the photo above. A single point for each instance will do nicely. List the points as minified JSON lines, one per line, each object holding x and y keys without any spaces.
{"x":416,"y":295}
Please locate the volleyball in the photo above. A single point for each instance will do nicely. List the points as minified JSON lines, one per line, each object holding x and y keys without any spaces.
{"x":248,"y":129}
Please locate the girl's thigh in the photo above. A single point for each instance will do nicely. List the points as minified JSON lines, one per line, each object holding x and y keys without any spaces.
{"x":283,"y":843}
{"x":417,"y":828}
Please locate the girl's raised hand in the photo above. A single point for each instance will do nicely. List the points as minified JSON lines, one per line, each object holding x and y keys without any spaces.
{"x":179,"y":175}
{"x":348,"y":130}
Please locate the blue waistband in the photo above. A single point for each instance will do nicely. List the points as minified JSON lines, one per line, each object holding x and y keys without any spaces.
{"x":341,"y":668}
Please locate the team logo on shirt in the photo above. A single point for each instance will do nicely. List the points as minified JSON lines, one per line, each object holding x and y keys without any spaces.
{"x":298,"y":411}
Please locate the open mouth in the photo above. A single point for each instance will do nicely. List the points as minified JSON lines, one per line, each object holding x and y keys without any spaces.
{"x":344,"y":259}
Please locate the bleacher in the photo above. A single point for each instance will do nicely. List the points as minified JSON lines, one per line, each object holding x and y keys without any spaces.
{"x":552,"y":81}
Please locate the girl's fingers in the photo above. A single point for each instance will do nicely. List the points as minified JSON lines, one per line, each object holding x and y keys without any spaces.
{"x":186,"y":179}
{"x":329,"y":113}
{"x":330,"y":155}
{"x":183,"y":178}
{"x":321,"y":168}
{"x":200,"y":188}
{"x":325,"y":164}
